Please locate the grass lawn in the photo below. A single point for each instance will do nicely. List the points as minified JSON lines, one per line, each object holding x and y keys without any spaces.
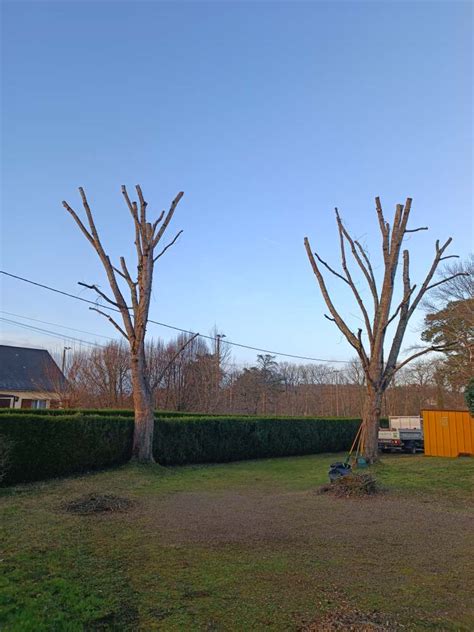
{"x":243,"y":546}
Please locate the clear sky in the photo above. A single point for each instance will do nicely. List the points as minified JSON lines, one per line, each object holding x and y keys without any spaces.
{"x":266,"y":114}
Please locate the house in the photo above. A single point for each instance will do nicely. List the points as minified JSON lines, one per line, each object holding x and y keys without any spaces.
{"x":29,"y":378}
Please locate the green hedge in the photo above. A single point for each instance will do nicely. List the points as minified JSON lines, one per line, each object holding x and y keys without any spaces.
{"x":47,"y":446}
{"x":217,"y":440}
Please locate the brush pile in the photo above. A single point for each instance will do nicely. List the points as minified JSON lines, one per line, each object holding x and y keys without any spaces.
{"x":97,"y":503}
{"x":352,"y":485}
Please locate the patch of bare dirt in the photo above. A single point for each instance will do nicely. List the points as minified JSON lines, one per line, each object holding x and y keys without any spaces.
{"x":394,"y":527}
{"x":97,"y":504}
{"x":352,"y":620}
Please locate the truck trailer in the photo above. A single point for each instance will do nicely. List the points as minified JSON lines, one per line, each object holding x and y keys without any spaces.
{"x":404,"y":434}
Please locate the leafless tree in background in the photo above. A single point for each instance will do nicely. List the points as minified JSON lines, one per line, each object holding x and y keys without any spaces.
{"x":184,"y":380}
{"x":134,"y":317}
{"x":379,"y":371}
{"x":100,"y":377}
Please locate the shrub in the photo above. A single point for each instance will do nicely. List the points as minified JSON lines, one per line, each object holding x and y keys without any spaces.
{"x":469,"y":395}
{"x":217,"y":440}
{"x":43,"y":446}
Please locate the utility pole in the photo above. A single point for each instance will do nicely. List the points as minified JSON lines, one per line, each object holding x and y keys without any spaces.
{"x":63,"y":366}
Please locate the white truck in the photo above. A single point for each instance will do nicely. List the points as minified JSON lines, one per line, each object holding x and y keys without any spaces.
{"x":404,"y":434}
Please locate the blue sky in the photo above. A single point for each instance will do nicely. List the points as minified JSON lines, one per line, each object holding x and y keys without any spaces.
{"x":267,"y":115}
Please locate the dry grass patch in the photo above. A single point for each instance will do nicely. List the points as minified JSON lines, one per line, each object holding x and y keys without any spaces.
{"x":352,"y":620}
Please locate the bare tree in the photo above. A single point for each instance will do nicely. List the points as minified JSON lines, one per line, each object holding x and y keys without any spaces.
{"x":378,"y":370}
{"x":101,"y":376}
{"x":135,"y":317}
{"x":459,"y":285}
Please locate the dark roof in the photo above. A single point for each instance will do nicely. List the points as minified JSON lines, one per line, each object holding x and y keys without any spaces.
{"x":23,"y":369}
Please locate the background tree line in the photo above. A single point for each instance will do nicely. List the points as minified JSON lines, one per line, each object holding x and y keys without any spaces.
{"x":100,"y":378}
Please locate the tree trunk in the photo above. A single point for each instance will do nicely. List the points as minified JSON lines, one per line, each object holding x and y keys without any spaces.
{"x":142,"y":450}
{"x":371,"y":423}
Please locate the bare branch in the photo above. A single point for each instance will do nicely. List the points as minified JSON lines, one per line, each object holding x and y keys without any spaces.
{"x":94,"y":309}
{"x":449,"y":257}
{"x":405,"y":299}
{"x":343,"y":233}
{"x":79,"y":223}
{"x":429,"y":276}
{"x":168,"y":218}
{"x":93,"y":238}
{"x":412,"y":357}
{"x":90,"y":219}
{"x":134,"y":212}
{"x":156,"y":222}
{"x":168,"y":246}
{"x":328,"y":267}
{"x":131,"y":284}
{"x":371,"y":277}
{"x":143,"y":205}
{"x":415,"y":230}
{"x":119,"y":272}
{"x":351,"y":338}
{"x":384,"y":229}
{"x":99,"y":292}
{"x":450,"y":278}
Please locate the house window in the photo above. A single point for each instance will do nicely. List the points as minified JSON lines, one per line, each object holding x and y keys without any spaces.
{"x":33,"y":403}
{"x":6,"y":402}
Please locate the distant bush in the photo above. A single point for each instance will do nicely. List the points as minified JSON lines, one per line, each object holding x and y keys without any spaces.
{"x":42,"y":446}
{"x":469,"y":395}
{"x":217,"y":440}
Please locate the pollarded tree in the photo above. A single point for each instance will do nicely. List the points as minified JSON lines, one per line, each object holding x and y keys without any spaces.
{"x":379,"y":369}
{"x":134,"y":316}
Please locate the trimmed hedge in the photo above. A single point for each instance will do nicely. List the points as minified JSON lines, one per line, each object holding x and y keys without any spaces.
{"x":46,"y":446}
{"x":217,"y":440}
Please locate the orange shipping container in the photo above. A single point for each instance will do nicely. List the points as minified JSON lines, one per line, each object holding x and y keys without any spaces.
{"x":448,"y":432}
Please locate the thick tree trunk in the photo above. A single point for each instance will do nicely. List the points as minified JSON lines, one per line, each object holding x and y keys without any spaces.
{"x":142,"y":450}
{"x":371,"y":422}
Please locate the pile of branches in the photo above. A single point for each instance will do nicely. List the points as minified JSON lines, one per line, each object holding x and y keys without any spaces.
{"x":97,"y":503}
{"x":352,"y":485}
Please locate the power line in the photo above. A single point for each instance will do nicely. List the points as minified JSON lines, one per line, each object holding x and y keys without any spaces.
{"x":185,"y":331}
{"x":47,"y":332}
{"x":45,"y":322}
